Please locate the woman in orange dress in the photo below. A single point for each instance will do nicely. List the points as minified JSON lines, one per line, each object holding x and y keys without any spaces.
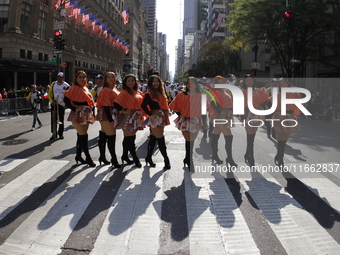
{"x":108,"y":117}
{"x":155,"y":105}
{"x":79,"y":99}
{"x":225,"y":112}
{"x":187,"y":104}
{"x":128,"y":102}
{"x":259,"y":98}
{"x":284,"y":132}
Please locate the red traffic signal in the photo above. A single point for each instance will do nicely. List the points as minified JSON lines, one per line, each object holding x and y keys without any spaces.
{"x":57,"y":33}
{"x":288,"y":14}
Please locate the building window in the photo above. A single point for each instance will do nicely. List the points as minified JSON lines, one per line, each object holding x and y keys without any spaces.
{"x":25,"y":18}
{"x":4,"y":9}
{"x":42,"y":26}
{"x":40,"y":56}
{"x":29,"y":54}
{"x":45,"y":57}
{"x":44,"y":2}
{"x":22,"y":54}
{"x":0,"y":52}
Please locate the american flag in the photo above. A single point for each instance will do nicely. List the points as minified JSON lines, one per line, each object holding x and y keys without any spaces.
{"x":57,"y":3}
{"x":125,"y":16}
{"x":218,"y":19}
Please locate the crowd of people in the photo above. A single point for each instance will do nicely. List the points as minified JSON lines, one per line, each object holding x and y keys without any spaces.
{"x":135,"y":105}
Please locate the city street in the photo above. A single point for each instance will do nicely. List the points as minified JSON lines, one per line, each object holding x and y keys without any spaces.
{"x":50,"y":205}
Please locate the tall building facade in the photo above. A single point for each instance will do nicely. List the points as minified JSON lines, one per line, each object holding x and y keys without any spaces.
{"x":149,"y":6}
{"x":26,"y":41}
{"x":135,"y":32}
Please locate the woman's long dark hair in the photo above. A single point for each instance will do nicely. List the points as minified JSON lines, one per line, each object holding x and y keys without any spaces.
{"x":125,"y":87}
{"x":106,"y":84}
{"x":76,"y":76}
{"x":153,"y":91}
{"x":191,"y":78}
{"x":244,"y":81}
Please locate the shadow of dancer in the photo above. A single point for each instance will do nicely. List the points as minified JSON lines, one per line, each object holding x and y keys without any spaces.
{"x":268,"y":196}
{"x":133,"y":202}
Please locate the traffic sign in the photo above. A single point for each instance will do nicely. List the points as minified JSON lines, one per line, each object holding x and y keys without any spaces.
{"x":255,"y":65}
{"x":57,"y":52}
{"x":59,"y":25}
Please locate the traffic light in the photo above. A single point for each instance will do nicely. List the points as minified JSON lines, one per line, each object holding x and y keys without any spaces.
{"x":59,"y":42}
{"x":62,"y":44}
{"x":288,"y":15}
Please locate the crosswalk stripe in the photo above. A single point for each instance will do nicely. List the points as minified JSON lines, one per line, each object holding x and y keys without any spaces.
{"x":217,"y":223}
{"x":9,"y":164}
{"x":324,"y":188}
{"x":295,"y":228}
{"x":133,"y":220}
{"x":61,"y":211}
{"x":132,"y":224}
{"x":17,"y":190}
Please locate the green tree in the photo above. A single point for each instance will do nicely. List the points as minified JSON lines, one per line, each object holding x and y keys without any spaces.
{"x":218,"y":59}
{"x":296,"y":39}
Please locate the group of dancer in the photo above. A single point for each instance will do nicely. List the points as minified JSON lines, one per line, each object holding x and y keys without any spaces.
{"x":131,"y":110}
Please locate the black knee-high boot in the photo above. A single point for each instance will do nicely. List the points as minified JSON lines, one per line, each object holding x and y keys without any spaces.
{"x":189,"y":145}
{"x":281,"y":144}
{"x":162,"y":149}
{"x":78,"y":152}
{"x":125,"y":156}
{"x":214,"y":147}
{"x":151,"y":147}
{"x":228,"y":147}
{"x":132,"y":149}
{"x":111,"y":142}
{"x":269,"y":128}
{"x":102,"y":145}
{"x":83,"y":139}
{"x":249,"y":156}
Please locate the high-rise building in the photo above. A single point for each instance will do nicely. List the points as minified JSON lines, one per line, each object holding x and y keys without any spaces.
{"x":149,"y":6}
{"x":27,"y":30}
{"x":135,"y":33}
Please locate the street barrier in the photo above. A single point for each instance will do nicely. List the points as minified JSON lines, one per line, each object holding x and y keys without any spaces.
{"x":20,"y":104}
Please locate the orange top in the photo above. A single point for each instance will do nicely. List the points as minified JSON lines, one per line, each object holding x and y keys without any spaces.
{"x":227,"y":101}
{"x":162,"y":101}
{"x":106,"y":97}
{"x":79,"y":94}
{"x":211,"y":109}
{"x":188,"y":106}
{"x":290,"y":95}
{"x":259,"y":97}
{"x":128,"y":101}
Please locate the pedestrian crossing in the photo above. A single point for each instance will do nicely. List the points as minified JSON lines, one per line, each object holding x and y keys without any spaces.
{"x":150,"y":211}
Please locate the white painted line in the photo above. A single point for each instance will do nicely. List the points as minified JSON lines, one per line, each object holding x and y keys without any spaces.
{"x":133,"y":220}
{"x":204,"y":231}
{"x":20,"y":188}
{"x":48,"y":227}
{"x":294,"y":227}
{"x":325,"y":189}
{"x":233,"y":227}
{"x":9,"y":164}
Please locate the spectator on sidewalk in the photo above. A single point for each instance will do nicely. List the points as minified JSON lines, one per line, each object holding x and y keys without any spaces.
{"x":35,"y":98}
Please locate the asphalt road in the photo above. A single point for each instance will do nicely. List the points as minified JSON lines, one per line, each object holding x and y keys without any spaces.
{"x":74,"y":209}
